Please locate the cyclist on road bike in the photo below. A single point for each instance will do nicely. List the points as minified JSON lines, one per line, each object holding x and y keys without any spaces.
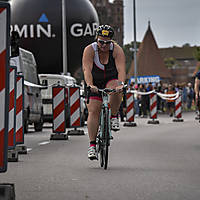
{"x":103,"y":67}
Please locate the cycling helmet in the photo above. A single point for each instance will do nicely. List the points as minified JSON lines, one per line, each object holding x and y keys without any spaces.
{"x":105,"y":31}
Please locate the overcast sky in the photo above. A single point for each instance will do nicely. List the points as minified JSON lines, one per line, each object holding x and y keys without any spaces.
{"x":173,"y":22}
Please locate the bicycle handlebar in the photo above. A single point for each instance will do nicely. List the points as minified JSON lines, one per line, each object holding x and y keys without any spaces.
{"x":105,"y":90}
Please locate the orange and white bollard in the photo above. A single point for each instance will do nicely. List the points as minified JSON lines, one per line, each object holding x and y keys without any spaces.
{"x":178,"y":110}
{"x":153,"y":109}
{"x":20,"y":110}
{"x":59,"y":123}
{"x":130,"y":113}
{"x":4,"y":83}
{"x":75,"y":111}
{"x":12,"y":108}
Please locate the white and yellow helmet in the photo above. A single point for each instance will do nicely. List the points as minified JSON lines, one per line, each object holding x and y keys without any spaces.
{"x":105,"y":31}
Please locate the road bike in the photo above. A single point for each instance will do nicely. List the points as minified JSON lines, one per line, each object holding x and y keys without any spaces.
{"x":104,"y":136}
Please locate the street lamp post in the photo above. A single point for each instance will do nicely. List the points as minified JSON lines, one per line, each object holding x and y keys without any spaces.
{"x":135,"y":42}
{"x":64,"y":37}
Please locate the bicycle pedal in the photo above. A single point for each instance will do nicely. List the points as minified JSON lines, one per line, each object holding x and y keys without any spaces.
{"x":93,"y":158}
{"x":115,"y":130}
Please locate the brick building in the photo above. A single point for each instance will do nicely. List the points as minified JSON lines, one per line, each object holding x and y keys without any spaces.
{"x":113,"y":15}
{"x":184,"y":64}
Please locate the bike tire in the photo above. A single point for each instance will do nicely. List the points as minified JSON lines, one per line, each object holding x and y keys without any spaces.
{"x":102,"y":157}
{"x":101,"y":141}
{"x":100,"y":151}
{"x":107,"y":137}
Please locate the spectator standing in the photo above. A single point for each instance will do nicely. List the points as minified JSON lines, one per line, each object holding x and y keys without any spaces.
{"x":176,"y":87}
{"x":190,"y":95}
{"x":184,"y":96}
{"x":160,"y":101}
{"x":170,"y":103}
{"x":136,"y":101}
{"x":122,"y":108}
{"x":144,"y":101}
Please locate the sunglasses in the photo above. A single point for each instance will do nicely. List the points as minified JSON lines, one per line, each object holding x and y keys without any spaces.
{"x":102,"y":42}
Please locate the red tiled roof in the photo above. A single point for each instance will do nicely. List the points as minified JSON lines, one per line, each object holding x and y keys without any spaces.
{"x":178,"y":52}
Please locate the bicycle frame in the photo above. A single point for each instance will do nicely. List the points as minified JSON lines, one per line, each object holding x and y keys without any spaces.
{"x":105,"y":103}
{"x":104,"y":136}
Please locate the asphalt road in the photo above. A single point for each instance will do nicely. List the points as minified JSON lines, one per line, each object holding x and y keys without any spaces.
{"x":147,"y":162}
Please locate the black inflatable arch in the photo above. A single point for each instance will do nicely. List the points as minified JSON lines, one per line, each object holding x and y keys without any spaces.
{"x":39,"y":23}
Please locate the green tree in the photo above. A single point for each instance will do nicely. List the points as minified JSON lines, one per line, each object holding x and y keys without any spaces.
{"x":170,"y":62}
{"x":197,"y":53}
{"x":186,"y":45}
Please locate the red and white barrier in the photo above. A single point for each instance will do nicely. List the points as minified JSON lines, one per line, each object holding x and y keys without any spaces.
{"x":129,"y":107}
{"x":178,"y":110}
{"x":130,"y":114}
{"x":20,"y":110}
{"x":75,"y":111}
{"x":12,"y":108}
{"x":153,"y":109}
{"x":4,"y":83}
{"x":58,"y":93}
{"x":153,"y":106}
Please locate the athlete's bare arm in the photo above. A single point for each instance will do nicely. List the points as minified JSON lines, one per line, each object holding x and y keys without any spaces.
{"x":87,"y":62}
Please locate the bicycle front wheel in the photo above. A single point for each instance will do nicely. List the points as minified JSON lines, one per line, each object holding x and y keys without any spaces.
{"x":100,"y":148}
{"x":107,"y":137}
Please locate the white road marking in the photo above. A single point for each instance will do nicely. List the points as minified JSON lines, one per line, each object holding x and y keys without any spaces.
{"x":43,"y":143}
{"x":29,"y":149}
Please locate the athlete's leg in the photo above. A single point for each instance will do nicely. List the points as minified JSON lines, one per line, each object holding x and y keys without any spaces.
{"x":115,"y":98}
{"x":94,"y":109}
